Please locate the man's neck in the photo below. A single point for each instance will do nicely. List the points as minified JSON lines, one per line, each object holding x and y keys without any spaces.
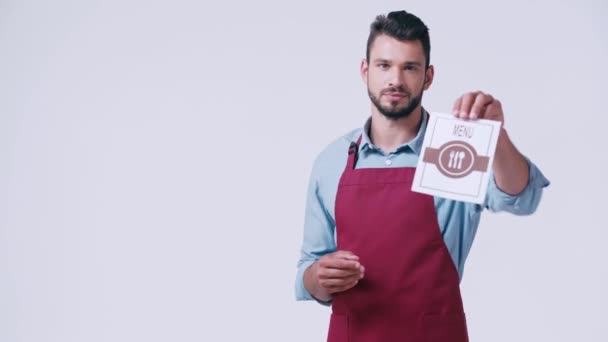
{"x":388,"y":134}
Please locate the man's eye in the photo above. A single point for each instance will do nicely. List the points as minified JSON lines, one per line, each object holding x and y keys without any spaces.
{"x":383,"y":65}
{"x":410,"y":67}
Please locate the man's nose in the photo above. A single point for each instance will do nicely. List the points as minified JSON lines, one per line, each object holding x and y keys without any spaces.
{"x":395,"y":78}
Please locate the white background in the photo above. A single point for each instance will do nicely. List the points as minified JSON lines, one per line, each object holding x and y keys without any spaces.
{"x":154,"y":160}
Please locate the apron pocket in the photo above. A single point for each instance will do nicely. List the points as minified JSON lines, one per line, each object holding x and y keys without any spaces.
{"x":445,"y":328}
{"x":338,"y":328}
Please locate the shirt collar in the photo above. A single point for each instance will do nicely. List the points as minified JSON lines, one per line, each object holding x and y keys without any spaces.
{"x":415,"y":144}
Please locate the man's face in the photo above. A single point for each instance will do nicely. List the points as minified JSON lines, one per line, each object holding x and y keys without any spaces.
{"x":396,"y":76}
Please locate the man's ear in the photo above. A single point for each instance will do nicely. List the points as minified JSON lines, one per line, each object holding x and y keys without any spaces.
{"x":364,"y":70}
{"x":429,"y":74}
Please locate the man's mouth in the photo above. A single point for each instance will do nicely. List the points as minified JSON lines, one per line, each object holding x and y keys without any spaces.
{"x":395,"y":95}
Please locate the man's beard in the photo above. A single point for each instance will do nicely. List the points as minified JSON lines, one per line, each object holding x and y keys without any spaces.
{"x":395,"y":114}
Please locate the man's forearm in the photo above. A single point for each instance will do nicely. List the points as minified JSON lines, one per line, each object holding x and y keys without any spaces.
{"x":511,"y":170}
{"x":312,"y":286}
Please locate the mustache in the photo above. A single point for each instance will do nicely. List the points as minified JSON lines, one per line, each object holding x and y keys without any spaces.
{"x":400,"y":90}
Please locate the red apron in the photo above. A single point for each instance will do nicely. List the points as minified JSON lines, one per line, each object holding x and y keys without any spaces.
{"x":411,"y":290}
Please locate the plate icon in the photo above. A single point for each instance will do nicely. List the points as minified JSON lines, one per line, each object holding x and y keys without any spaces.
{"x":456,"y":159}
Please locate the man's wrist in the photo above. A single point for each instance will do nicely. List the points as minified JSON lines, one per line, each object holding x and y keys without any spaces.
{"x":503,"y":138}
{"x":312,"y":285}
{"x":505,"y":150}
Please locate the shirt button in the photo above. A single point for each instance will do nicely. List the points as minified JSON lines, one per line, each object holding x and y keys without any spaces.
{"x":388,"y":162}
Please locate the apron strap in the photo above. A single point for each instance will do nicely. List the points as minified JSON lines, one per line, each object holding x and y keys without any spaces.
{"x":353,"y":154}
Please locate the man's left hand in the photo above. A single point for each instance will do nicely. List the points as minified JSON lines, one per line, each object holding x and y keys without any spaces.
{"x":478,"y":105}
{"x":511,"y":170}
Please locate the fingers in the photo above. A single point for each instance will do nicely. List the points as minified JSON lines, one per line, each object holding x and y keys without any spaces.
{"x":337,"y":282}
{"x":456,"y":109}
{"x":337,"y":289}
{"x":496,"y":105}
{"x":339,"y":271}
{"x":328,"y":273}
{"x":341,"y":260}
{"x":346,"y":255}
{"x":472,"y":105}
{"x":479,"y":105}
{"x":465,"y":105}
{"x":340,"y":264}
{"x":339,"y":286}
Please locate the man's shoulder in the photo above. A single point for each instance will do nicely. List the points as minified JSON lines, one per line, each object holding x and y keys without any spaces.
{"x":337,"y":150}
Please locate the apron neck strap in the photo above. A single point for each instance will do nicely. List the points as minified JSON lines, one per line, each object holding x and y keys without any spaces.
{"x":353,"y":153}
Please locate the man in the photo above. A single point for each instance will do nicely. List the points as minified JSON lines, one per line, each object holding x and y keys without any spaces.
{"x":388,"y":260}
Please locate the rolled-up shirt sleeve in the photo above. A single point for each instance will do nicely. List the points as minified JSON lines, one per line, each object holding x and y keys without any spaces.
{"x":524,"y":203}
{"x":318,"y":240}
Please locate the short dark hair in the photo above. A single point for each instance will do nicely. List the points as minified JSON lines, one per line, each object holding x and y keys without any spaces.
{"x":400,"y":25}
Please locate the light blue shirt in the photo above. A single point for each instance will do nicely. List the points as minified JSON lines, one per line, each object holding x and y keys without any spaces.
{"x":458,"y":221}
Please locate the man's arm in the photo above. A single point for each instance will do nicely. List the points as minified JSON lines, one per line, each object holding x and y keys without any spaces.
{"x":516,"y":183}
{"x":322,"y":270}
{"x":318,"y":238}
{"x":511,"y":169}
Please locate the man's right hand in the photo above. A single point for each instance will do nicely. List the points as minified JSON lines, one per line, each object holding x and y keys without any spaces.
{"x":332,"y":273}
